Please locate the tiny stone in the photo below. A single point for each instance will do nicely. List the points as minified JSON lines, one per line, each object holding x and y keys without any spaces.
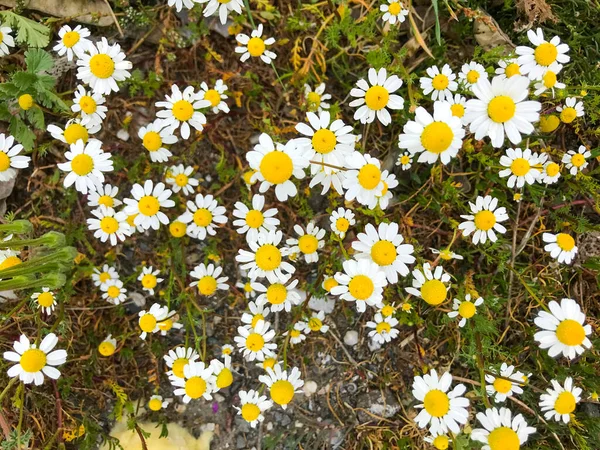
{"x":309,"y":388}
{"x":138,"y":299}
{"x":123,"y":135}
{"x":298,"y":424}
{"x":218,"y":398}
{"x":351,"y":338}
{"x":269,"y":426}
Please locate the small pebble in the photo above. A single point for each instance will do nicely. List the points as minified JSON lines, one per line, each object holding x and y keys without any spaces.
{"x":309,"y":388}
{"x":123,"y":135}
{"x":351,"y":338}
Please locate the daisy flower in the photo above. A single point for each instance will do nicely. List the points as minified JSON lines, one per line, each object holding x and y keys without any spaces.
{"x":434,"y":137}
{"x":34,"y":362}
{"x":389,"y":182}
{"x":471,"y":73}
{"x":198,"y":381}
{"x":282,"y":385}
{"x":146,"y":204}
{"x":102,"y":66}
{"x":509,"y":384}
{"x":86,"y":166}
{"x":550,"y":170}
{"x":383,"y":328}
{"x":90,"y":105}
{"x":484,"y":220}
{"x":216,"y":96}
{"x":156,"y":403}
{"x":257,"y":312}
{"x":100,"y":277}
{"x":10,"y":160}
{"x":394,"y":12}
{"x":104,"y":195}
{"x":465,"y":309}
{"x":329,"y":283}
{"x":361,"y":282}
{"x":108,"y":346}
{"x":521,"y":166}
{"x":265,"y":258}
{"x":45,"y":300}
{"x":560,"y":402}
{"x":439,"y":441}
{"x":405,"y":161}
{"x":226,"y":350}
{"x":180,"y":4}
{"x":315,"y":100}
{"x":179,"y":179}
{"x":247,"y":289}
{"x":203,"y":215}
{"x":252,"y":406}
{"x":501,"y":108}
{"x":308,"y":242}
{"x":383,"y":246}
{"x":571,"y":110}
{"x":223,"y":8}
{"x":275,"y":164}
{"x":296,"y":334}
{"x":441,"y":409}
{"x":255,"y":46}
{"x":171,"y":322}
{"x":576,"y":161}
{"x":75,"y":130}
{"x":222,"y":372}
{"x":501,"y":430}
{"x":549,"y":80}
{"x":181,"y":109}
{"x":251,"y":221}
{"x":341,"y":221}
{"x":113,"y":291}
{"x":431,"y":286}
{"x":254,"y":342}
{"x":388,"y":310}
{"x":280,"y":296}
{"x":446,"y":254}
{"x":374,"y":97}
{"x":363,"y":179}
{"x":149,"y":279}
{"x":440,"y":84}
{"x":534,"y":61}
{"x":148,"y":320}
{"x":561,"y":247}
{"x":154,"y":136}
{"x":177,"y":359}
{"x":208,"y":279}
{"x":508,"y":68}
{"x":107,"y":224}
{"x":563,"y":329}
{"x":315,"y":323}
{"x":6,"y":40}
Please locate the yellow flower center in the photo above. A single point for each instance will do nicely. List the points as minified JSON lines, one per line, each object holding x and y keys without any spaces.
{"x":342,"y":224}
{"x":165,"y":325}
{"x":276,"y":167}
{"x":549,"y":79}
{"x":148,"y":205}
{"x":565,"y":403}
{"x":369,"y":176}
{"x":46,"y":299}
{"x":256,"y":318}
{"x":131,"y":219}
{"x":315,"y":324}
{"x":578,"y":160}
{"x":102,"y":66}
{"x":295,"y":333}
{"x":248,"y":176}
{"x":106,"y":348}
{"x":149,"y":281}
{"x":406,"y":307}
{"x":207,"y":285}
{"x":177,"y":229}
{"x":472,"y":76}
{"x":276,"y":294}
{"x":87,"y":104}
{"x":225,"y":378}
{"x":512,"y":69}
{"x":502,"y":386}
{"x":109,"y":225}
{"x":552,"y":169}
{"x":248,"y":287}
{"x":437,"y":137}
{"x":383,"y":327}
{"x":11,"y":261}
{"x":565,"y":242}
{"x":195,"y":387}
{"x":33,"y":360}
{"x":254,"y":218}
{"x":485,"y":220}
{"x":74,"y":132}
{"x":377,"y":98}
{"x":384,"y":190}
{"x":250,"y":412}
{"x":155,"y":404}
{"x":446,"y":255}
{"x":202,"y":217}
{"x":520,"y":167}
{"x":387,"y":310}
{"x":501,"y":108}
{"x":147,"y":323}
{"x":181,"y":180}
{"x":314,"y":100}
{"x":467,"y":309}
{"x":504,"y":438}
{"x":394,"y":8}
{"x":436,"y":403}
{"x":25,"y":102}
{"x":440,"y":82}
{"x":458,"y":110}
{"x":268,"y":257}
{"x":178,"y":366}
{"x":256,"y":46}
{"x":106,"y":200}
{"x":255,"y":342}
{"x":113,"y":291}
{"x":441,"y":442}
{"x":383,"y":253}
{"x":361,"y":287}
{"x":433,"y":292}
{"x":70,"y":39}
{"x":545,"y":54}
{"x":570,"y":332}
{"x":282,"y":392}
{"x":324,"y":141}
{"x":4,"y":161}
{"x":183,"y":110}
{"x":308,"y":244}
{"x":152,"y":141}
{"x":568,"y":114}
{"x":82,"y":164}
{"x":212,"y":95}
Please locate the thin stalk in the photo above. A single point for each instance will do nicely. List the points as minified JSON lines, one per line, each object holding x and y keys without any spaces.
{"x":481,"y":366}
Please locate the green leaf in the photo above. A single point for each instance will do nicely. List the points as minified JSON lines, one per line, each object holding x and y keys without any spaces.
{"x":50,"y":100}
{"x":36,"y":117}
{"x":438,"y":33}
{"x":22,"y":133}
{"x":24,"y":80}
{"x":9,"y":90}
{"x":28,"y":31}
{"x":45,"y":82}
{"x":38,"y":60}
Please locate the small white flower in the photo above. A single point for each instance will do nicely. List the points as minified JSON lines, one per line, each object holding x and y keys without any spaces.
{"x":222,"y":372}
{"x":251,"y":221}
{"x":75,"y":130}
{"x":113,"y":291}
{"x":296,"y":334}
{"x":252,"y":406}
{"x":180,"y":179}
{"x":500,"y":427}
{"x":549,"y":80}
{"x":154,"y":136}
{"x":404,"y":160}
{"x":282,"y":385}
{"x":149,"y":279}
{"x":389,"y":182}
{"x":216,"y":96}
{"x":471,"y":73}
{"x":86,"y":165}
{"x":383,"y":329}
{"x":182,"y":110}
{"x":465,"y":309}
{"x":203,"y":216}
{"x":177,"y":359}
{"x":363,"y":179}
{"x":446,"y":254}
{"x":223,"y":8}
{"x":146,"y":204}
{"x":102,"y":66}
{"x":341,"y":221}
{"x":199,"y":381}
{"x":107,"y":224}
{"x":361,"y":282}
{"x":148,"y":320}
{"x":316,"y":323}
{"x":430,"y":286}
{"x":10,"y":160}
{"x":534,"y":62}
{"x":265,"y":258}
{"x":108,"y":346}
{"x":508,"y":68}
{"x":550,"y":170}
{"x":255,"y":46}
{"x":45,"y":300}
{"x":484,"y":220}
{"x":156,"y":403}
{"x":374,"y":99}
{"x":394,"y":12}
{"x":521,"y":167}
{"x":315,"y":100}
{"x":440,"y":84}
{"x":104,"y":195}
{"x":90,"y":105}
{"x":561,"y":247}
{"x":6,"y":40}
{"x":280,"y":296}
{"x":571,"y":110}
{"x":257,"y":312}
{"x":209,"y":279}
{"x":308,"y":242}
{"x":107,"y":273}
{"x":560,"y":403}
{"x":508,"y":385}
{"x":576,"y":161}
{"x":254,"y":342}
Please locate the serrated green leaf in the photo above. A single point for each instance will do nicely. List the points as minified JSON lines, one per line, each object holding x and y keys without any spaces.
{"x":9,"y":90}
{"x":50,"y":100}
{"x":21,"y":132}
{"x":45,"y":82}
{"x":38,"y":60}
{"x":29,"y":32}
{"x":24,"y":80}
{"x":4,"y":112}
{"x":36,"y":118}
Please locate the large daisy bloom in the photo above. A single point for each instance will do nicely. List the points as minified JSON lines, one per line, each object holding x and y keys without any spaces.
{"x":363,"y":179}
{"x":180,"y":179}
{"x":501,"y":430}
{"x":430,"y":286}
{"x":177,"y":359}
{"x":86,"y":165}
{"x":251,"y":221}
{"x":576,"y":161}
{"x":280,"y":296}
{"x":75,"y":130}
{"x":571,"y":110}
{"x":181,"y":110}
{"x":45,"y":300}
{"x":438,"y":137}
{"x":535,"y":61}
{"x":308,"y":242}
{"x":470,"y":73}
{"x":203,"y":215}
{"x":341,"y":220}
{"x":394,"y":12}
{"x":198,"y":381}
{"x":265,"y":258}
{"x":560,"y":401}
{"x":34,"y":362}
{"x":223,"y":8}
{"x":521,"y":167}
{"x":484,"y":220}
{"x":502,"y":388}
{"x":383,"y":246}
{"x":361,"y":282}
{"x":383,"y":328}
{"x":374,"y":97}
{"x":315,"y":99}
{"x":466,"y":309}
{"x":216,"y":95}
{"x":563,"y":329}
{"x":252,"y":406}
{"x":146,"y":204}
{"x":90,"y":105}
{"x":441,"y":409}
{"x":102,"y":66}
{"x":209,"y":279}
{"x":275,"y":164}
{"x":6,"y":40}
{"x":254,"y":342}
{"x":148,"y":320}
{"x":104,"y":195}
{"x":107,"y":224}
{"x":255,"y":46}
{"x":440,"y":84}
{"x":282,"y":385}
{"x":113,"y":291}
{"x":154,"y":136}
{"x":72,"y":42}
{"x":561,"y":246}
{"x":10,"y":158}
